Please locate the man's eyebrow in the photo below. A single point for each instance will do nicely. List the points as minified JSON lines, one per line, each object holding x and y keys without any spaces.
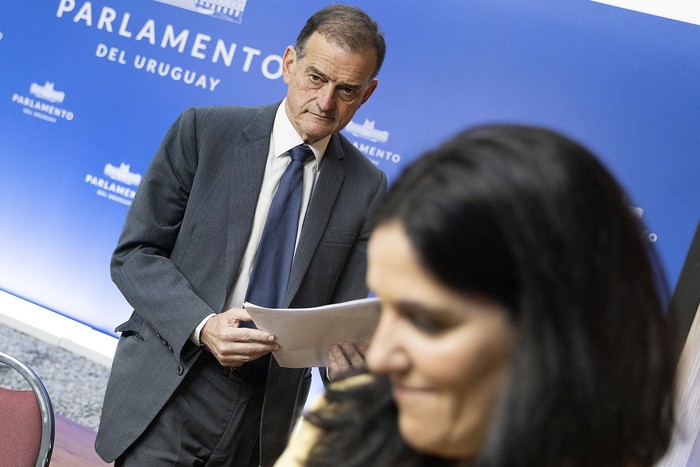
{"x":316,"y":71}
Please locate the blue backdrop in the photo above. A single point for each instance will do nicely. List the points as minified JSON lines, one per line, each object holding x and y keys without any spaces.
{"x":88,"y":89}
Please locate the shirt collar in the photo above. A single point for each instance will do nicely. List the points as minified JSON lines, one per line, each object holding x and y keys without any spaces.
{"x":285,"y":137}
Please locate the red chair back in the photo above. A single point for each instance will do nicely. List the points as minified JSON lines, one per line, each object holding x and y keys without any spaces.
{"x":20,"y":428}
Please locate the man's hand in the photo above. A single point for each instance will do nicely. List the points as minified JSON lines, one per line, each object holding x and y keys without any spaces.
{"x":231,"y":344}
{"x":350,"y":356}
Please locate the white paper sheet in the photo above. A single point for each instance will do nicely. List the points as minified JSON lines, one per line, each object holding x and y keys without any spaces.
{"x":305,"y":335}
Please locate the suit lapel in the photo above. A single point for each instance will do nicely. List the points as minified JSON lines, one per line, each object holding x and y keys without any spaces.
{"x":319,"y":211}
{"x":247,"y":169}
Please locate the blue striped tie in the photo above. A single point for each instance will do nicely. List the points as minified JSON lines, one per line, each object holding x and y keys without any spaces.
{"x":273,"y":260}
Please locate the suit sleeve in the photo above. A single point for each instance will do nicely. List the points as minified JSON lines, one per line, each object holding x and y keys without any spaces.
{"x":141,"y":264}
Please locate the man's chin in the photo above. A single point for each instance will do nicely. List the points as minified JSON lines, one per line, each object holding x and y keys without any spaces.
{"x":316,"y":132}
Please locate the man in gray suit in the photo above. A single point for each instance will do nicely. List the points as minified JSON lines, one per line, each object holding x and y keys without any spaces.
{"x":190,"y":384}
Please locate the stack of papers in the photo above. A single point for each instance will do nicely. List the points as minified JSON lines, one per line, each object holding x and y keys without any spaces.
{"x":305,"y":335}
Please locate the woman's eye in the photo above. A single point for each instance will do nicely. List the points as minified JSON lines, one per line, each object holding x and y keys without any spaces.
{"x":430,"y":326}
{"x":427,"y":323}
{"x":426,"y":320}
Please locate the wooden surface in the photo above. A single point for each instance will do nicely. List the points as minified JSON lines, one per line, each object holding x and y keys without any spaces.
{"x":74,"y":445}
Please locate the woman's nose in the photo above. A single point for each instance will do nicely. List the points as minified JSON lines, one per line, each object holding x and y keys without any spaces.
{"x":385,"y":352}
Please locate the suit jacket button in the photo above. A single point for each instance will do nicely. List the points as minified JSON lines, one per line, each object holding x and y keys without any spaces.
{"x":180,"y":370}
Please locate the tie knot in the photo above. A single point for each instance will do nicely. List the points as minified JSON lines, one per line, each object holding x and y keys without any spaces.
{"x":300,"y":153}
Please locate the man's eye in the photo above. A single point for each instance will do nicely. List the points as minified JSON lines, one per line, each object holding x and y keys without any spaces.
{"x":348,"y":93}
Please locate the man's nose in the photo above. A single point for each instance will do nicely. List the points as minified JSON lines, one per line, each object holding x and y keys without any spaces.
{"x":326,"y":98}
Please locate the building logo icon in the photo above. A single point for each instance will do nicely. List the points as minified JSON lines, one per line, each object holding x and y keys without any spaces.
{"x":43,"y":103}
{"x":47,"y":92}
{"x":114,"y":186}
{"x":228,"y":10}
{"x":367,"y":131}
{"x":122,"y":174}
{"x":378,"y":154}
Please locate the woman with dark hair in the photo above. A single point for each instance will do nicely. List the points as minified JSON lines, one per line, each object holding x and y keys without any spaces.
{"x":522,"y":318}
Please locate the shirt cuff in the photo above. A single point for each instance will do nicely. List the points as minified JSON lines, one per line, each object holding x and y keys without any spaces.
{"x":194,"y":337}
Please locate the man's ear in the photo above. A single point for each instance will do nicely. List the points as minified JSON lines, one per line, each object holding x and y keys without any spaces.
{"x":289,"y":59}
{"x":370,"y":89}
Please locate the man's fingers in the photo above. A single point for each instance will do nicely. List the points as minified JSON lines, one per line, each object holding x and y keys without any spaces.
{"x":235,"y":315}
{"x":238,"y":335}
{"x":233,"y":345}
{"x":346,"y":357}
{"x":225,"y":327}
{"x":238,"y":354}
{"x":355,"y":353}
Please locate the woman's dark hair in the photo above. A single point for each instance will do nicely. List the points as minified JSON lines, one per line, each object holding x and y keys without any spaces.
{"x":532,"y":219}
{"x":347,"y":26}
{"x":361,"y":430}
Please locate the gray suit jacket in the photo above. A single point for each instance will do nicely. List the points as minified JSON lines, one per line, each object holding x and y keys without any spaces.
{"x":182,"y":245}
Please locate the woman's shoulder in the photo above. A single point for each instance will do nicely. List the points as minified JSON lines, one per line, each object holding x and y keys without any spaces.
{"x":306,"y":434}
{"x":354,"y":381}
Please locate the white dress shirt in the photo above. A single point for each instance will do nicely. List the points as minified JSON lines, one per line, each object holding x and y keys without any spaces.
{"x":284,"y":137}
